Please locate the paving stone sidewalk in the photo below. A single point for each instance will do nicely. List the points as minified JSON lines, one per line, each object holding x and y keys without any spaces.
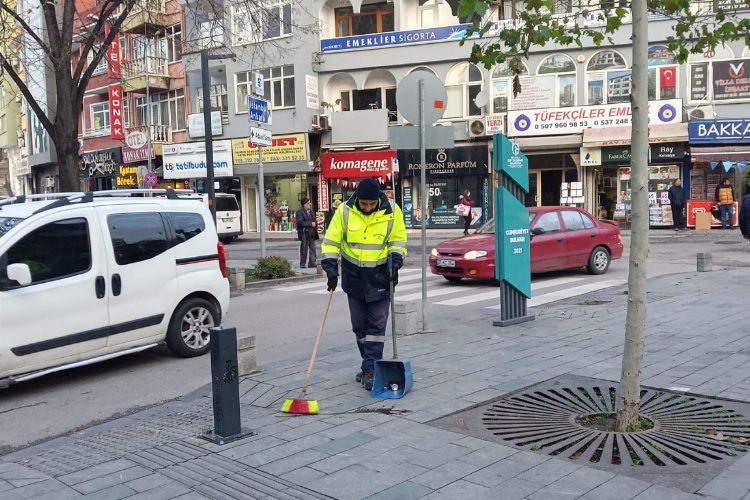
{"x":697,"y":339}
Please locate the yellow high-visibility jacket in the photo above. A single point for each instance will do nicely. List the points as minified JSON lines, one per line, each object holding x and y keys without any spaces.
{"x":363,"y":242}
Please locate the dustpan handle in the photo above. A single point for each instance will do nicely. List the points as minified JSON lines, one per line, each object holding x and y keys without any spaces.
{"x":393,"y":306}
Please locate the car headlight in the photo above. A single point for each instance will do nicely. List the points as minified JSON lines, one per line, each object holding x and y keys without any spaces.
{"x":434,"y":252}
{"x":474,"y":254}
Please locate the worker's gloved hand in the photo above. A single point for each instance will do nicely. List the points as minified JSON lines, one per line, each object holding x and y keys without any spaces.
{"x":331,"y":268}
{"x":397,"y":261}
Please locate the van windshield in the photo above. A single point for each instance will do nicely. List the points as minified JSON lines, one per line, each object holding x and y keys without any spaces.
{"x":226,"y":204}
{"x":8,"y":223}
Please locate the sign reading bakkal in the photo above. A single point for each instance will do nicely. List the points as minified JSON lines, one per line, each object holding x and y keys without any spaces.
{"x":460,"y":160}
{"x":102,"y":163}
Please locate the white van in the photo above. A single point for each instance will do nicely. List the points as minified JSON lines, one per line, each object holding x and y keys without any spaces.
{"x":228,"y":216}
{"x":85,"y":277}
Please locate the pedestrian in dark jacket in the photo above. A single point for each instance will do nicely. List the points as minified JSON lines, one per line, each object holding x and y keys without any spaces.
{"x":745,"y":216}
{"x":677,"y":201}
{"x":307,"y":233}
{"x":725,"y":197}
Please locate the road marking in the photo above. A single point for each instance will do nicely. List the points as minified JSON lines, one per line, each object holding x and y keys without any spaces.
{"x":495,"y":294}
{"x":295,"y":288}
{"x":568,"y":292}
{"x":430,"y":294}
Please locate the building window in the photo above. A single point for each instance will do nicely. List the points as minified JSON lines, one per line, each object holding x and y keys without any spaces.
{"x":607,"y":78}
{"x":100,"y":116}
{"x":101,"y":67}
{"x":502,"y":87}
{"x":273,"y":20}
{"x":433,"y":14}
{"x":219,"y":99}
{"x":170,"y":44}
{"x":166,"y":108}
{"x":565,"y":80}
{"x":278,"y":87}
{"x":662,"y":73}
{"x":377,"y":98}
{"x":377,"y":18}
{"x":463,"y":83}
{"x":126,"y":111}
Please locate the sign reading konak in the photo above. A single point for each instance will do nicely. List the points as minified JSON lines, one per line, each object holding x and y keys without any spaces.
{"x":285,"y":147}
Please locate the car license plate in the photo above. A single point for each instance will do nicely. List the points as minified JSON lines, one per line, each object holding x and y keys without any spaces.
{"x":446,"y":263}
{"x":226,"y":220}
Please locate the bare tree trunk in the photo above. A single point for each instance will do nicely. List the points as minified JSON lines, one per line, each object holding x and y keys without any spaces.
{"x":635,"y":323}
{"x":65,"y":136}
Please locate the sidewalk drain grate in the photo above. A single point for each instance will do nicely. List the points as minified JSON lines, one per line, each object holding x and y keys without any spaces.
{"x":689,"y":432}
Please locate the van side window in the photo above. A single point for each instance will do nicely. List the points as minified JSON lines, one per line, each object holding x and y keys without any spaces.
{"x":186,"y":225}
{"x":54,"y":251}
{"x":137,"y":236}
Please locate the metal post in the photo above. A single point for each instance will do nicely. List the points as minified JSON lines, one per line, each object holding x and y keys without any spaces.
{"x":423,"y":200}
{"x":209,"y":138}
{"x":262,"y":199}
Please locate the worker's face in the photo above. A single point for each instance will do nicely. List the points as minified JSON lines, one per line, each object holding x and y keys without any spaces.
{"x":367,"y":206}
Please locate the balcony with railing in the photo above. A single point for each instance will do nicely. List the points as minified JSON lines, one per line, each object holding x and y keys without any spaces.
{"x":155,"y":133}
{"x":146,"y":16}
{"x":146,"y":72}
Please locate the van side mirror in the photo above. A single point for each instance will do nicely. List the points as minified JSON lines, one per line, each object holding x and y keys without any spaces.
{"x":20,"y":273}
{"x":537,"y":230}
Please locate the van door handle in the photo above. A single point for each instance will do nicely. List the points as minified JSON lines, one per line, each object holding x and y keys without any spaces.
{"x":100,"y":287}
{"x":116,"y":284}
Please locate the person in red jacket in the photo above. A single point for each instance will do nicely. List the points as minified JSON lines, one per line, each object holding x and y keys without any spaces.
{"x":465,"y":200}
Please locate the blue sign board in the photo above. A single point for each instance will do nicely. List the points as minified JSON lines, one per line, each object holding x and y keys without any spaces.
{"x":731,"y":131}
{"x":512,"y":250}
{"x":410,"y":37}
{"x":258,"y":110}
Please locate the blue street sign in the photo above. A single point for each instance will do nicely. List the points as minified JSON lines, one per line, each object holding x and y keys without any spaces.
{"x":258,"y":110}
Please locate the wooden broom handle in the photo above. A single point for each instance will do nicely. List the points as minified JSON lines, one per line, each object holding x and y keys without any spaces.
{"x":317,"y":343}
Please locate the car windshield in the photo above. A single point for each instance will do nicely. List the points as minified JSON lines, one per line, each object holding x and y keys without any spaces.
{"x":489,"y":226}
{"x":8,"y":223}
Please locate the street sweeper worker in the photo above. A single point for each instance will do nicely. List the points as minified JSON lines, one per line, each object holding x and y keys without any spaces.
{"x":364,"y":231}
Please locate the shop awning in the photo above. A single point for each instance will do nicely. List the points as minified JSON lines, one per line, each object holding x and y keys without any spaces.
{"x":275,"y":168}
{"x":739,"y":152}
{"x":550,"y":143}
{"x":620,"y":136}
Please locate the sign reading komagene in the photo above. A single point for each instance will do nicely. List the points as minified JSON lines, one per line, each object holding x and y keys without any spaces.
{"x":575,"y":119}
{"x":358,"y":164}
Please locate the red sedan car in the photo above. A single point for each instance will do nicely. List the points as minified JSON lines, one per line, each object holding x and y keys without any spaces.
{"x":561,"y":238}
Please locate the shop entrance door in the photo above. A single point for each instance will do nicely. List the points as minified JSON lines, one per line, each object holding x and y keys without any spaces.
{"x":250,"y":209}
{"x":550,"y":187}
{"x":532,"y":197}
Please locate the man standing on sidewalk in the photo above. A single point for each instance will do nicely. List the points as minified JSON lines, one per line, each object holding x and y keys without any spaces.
{"x":677,"y":201}
{"x":307,"y":233}
{"x":364,"y":231}
{"x":725,"y":198}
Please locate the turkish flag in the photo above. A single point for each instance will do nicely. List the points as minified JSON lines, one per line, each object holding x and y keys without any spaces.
{"x":668,"y":77}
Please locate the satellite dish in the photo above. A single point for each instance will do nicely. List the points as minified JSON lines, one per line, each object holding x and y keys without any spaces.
{"x":482,"y":99}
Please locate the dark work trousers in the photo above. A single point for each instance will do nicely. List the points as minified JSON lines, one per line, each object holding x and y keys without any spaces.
{"x":369,"y":320}
{"x":679,"y":223}
{"x":307,"y":246}
{"x":467,"y":223}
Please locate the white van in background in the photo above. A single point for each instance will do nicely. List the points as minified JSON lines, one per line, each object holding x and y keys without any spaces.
{"x":228,"y":216}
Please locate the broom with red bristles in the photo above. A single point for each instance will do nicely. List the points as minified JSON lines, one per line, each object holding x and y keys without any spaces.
{"x":302,"y":406}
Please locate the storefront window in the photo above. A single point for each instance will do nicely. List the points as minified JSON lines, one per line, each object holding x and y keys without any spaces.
{"x":463,"y":83}
{"x":283,"y":196}
{"x":607,"y":68}
{"x":502,"y":87}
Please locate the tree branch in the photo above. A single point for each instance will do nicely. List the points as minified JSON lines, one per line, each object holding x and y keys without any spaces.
{"x":30,"y":99}
{"x":26,"y":28}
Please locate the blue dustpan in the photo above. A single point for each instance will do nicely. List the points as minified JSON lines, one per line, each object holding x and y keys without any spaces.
{"x":393,"y":377}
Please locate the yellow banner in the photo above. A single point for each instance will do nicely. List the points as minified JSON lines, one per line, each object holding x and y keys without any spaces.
{"x":287,"y":147}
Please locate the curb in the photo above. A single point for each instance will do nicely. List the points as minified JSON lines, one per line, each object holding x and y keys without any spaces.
{"x":278,"y":281}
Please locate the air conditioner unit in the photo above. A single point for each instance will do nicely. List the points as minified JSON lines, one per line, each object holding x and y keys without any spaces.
{"x":477,"y":128}
{"x":701,"y":112}
{"x":320,"y":122}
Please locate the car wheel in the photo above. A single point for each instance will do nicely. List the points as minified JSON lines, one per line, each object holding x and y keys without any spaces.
{"x":453,"y":279}
{"x":598,"y":261}
{"x":189,"y":333}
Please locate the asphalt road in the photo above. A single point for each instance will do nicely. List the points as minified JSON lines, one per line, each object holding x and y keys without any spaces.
{"x":284,"y":325}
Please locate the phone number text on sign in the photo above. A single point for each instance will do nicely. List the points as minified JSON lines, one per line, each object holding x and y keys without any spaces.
{"x":575,"y":120}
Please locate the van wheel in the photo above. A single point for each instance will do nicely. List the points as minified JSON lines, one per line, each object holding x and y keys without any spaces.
{"x":189,"y":333}
{"x":598,"y":261}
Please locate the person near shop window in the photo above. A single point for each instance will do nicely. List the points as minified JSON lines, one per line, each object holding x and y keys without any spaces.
{"x":464,"y":199}
{"x":364,"y":232}
{"x":677,"y":201}
{"x":745,"y":217}
{"x":307,"y":233}
{"x":725,"y":198}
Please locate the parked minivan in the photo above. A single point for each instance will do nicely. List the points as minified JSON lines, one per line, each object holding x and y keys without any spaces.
{"x":85,"y":277}
{"x":228,"y":216}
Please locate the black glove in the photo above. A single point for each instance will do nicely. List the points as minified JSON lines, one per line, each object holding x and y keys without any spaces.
{"x":397,"y":261}
{"x":394,"y":276}
{"x":331,"y":268}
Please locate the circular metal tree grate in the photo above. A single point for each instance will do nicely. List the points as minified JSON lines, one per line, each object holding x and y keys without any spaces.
{"x":684,"y":429}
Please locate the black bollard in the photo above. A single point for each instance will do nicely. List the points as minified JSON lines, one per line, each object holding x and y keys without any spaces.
{"x":225,"y":386}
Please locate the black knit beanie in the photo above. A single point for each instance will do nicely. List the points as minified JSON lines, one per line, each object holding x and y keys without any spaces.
{"x":369,"y":189}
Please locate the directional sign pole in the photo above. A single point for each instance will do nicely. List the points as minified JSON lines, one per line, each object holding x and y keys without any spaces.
{"x":262,"y":198}
{"x":423,"y":200}
{"x":209,"y":138}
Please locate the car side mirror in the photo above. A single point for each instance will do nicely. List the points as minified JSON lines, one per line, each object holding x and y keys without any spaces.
{"x":19,"y":272}
{"x":537,"y":230}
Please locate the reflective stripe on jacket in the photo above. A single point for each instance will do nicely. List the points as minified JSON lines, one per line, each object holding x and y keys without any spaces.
{"x":364,"y":242}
